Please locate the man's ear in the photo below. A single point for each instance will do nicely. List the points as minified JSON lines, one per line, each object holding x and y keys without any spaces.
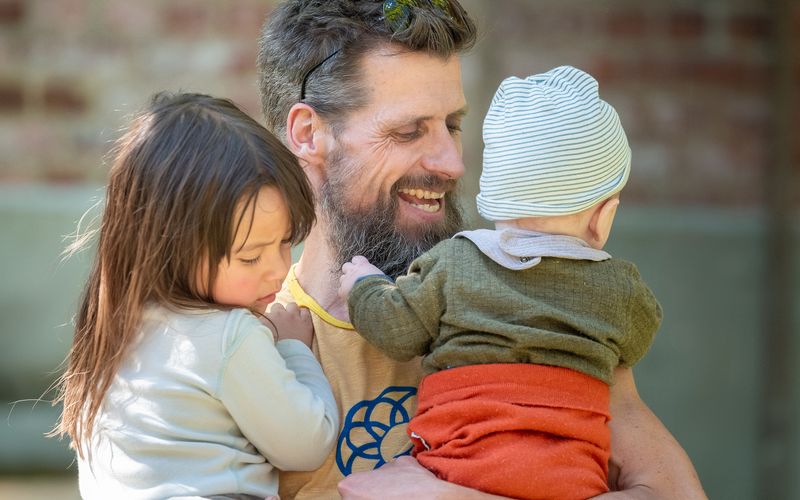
{"x":305,"y":136}
{"x":601,"y":221}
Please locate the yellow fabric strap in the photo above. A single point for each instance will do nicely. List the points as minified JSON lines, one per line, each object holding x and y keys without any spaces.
{"x":305,"y":300}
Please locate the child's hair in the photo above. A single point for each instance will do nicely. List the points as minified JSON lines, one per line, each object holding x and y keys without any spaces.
{"x":184,"y":175}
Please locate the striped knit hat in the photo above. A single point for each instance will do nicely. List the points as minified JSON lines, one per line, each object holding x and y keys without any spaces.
{"x":552,"y":147}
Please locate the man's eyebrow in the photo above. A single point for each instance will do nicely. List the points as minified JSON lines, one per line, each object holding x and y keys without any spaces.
{"x":406,"y":120}
{"x":459,"y":113}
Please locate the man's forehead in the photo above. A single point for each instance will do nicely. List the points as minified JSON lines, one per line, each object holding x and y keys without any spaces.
{"x":412,"y":85}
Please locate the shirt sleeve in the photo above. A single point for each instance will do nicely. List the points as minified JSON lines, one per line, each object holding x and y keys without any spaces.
{"x":402,"y":318}
{"x":280,"y":399}
{"x":644,"y":314}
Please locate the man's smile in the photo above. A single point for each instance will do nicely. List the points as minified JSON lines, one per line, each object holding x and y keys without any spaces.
{"x":427,"y":201}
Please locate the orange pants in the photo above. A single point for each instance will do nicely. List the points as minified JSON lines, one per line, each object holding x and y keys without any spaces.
{"x":516,"y":430}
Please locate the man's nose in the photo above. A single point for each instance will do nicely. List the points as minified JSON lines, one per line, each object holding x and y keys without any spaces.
{"x":445,"y":158}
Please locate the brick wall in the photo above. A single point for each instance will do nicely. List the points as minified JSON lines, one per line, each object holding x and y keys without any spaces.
{"x":692,"y":80}
{"x":71,"y":70}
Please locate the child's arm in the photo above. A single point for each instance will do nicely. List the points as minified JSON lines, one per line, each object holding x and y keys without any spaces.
{"x":279,"y":398}
{"x":402,"y":318}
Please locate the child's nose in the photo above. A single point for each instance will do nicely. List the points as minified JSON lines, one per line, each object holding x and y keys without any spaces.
{"x":280,"y":267}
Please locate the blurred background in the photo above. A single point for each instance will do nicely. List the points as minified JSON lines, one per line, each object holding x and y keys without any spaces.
{"x":708,"y":91}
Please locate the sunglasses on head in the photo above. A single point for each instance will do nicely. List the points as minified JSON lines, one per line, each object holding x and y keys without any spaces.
{"x":397,"y":14}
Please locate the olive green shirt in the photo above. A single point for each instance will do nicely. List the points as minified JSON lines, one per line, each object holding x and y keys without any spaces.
{"x":458,"y":307}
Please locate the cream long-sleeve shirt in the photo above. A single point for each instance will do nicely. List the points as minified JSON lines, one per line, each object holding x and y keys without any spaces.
{"x":207,"y":403}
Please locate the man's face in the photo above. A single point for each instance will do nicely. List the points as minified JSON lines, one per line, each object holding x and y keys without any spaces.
{"x":389,"y":193}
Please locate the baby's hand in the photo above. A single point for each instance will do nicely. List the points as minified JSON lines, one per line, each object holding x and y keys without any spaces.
{"x":290,"y":322}
{"x":358,"y":267}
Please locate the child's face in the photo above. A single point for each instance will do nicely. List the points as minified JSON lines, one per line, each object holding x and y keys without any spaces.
{"x":260,"y":257}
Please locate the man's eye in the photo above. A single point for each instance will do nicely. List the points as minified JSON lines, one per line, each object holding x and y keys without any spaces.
{"x":408,"y":136}
{"x":454,"y":128}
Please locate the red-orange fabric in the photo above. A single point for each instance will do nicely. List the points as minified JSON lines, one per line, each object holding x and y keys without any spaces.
{"x":516,"y":430}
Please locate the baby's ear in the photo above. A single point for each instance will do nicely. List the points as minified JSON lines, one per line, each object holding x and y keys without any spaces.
{"x":601,"y":221}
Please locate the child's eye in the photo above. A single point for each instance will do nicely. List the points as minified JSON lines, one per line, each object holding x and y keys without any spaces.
{"x":250,"y":262}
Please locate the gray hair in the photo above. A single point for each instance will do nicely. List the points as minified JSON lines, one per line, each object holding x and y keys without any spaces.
{"x":299,"y":34}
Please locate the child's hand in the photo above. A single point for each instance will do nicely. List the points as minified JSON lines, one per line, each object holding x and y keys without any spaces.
{"x":358,"y":267}
{"x":290,"y":322}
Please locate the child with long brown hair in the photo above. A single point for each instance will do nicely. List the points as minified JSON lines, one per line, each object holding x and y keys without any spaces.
{"x":173,"y":387}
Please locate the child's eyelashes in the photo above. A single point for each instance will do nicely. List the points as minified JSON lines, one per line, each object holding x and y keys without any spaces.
{"x":250,"y":262}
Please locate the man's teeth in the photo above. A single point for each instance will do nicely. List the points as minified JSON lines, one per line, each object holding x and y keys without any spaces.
{"x":423,"y":195}
{"x":427,"y":208}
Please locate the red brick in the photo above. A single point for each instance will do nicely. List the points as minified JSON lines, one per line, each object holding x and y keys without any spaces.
{"x":645,"y":69}
{"x":627,"y":24}
{"x":686,"y":25}
{"x":12,"y":11}
{"x":129,"y":20}
{"x":731,"y":74}
{"x":12,"y":97}
{"x":187,"y":18}
{"x":605,"y":70}
{"x":61,"y":17}
{"x":796,"y":20}
{"x":653,"y":70}
{"x":241,"y":19}
{"x":62,"y":96}
{"x":65,"y":175}
{"x":243,"y":61}
{"x":750,"y":27}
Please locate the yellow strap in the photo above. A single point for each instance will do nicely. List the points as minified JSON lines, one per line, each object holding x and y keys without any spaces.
{"x":305,"y":300}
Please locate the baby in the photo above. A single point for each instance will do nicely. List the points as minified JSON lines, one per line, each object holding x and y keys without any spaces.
{"x":521,"y":327}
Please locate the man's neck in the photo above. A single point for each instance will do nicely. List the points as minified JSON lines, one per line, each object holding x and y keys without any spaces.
{"x":314,"y":272}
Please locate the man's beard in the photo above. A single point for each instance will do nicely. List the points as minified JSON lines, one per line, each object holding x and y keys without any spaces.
{"x":373,"y":231}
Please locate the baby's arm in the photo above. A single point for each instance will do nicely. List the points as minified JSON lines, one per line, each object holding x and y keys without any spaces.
{"x":279,"y":398}
{"x":359,"y":267}
{"x":402,"y":318}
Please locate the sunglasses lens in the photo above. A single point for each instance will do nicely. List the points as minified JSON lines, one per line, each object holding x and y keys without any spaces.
{"x":397,"y":14}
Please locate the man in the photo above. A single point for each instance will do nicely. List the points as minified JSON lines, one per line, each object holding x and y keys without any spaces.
{"x":368,"y":96}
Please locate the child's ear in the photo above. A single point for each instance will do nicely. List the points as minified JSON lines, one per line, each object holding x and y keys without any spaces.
{"x":305,"y":135}
{"x":601,"y":221}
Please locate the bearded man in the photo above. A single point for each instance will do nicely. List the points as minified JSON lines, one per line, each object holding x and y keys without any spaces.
{"x":368,"y":95}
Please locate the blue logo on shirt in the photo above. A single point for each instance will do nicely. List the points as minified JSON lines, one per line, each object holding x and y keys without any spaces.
{"x":368,"y":424}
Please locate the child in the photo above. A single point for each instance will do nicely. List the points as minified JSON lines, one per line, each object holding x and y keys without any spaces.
{"x":173,"y":387}
{"x":522,"y":326}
